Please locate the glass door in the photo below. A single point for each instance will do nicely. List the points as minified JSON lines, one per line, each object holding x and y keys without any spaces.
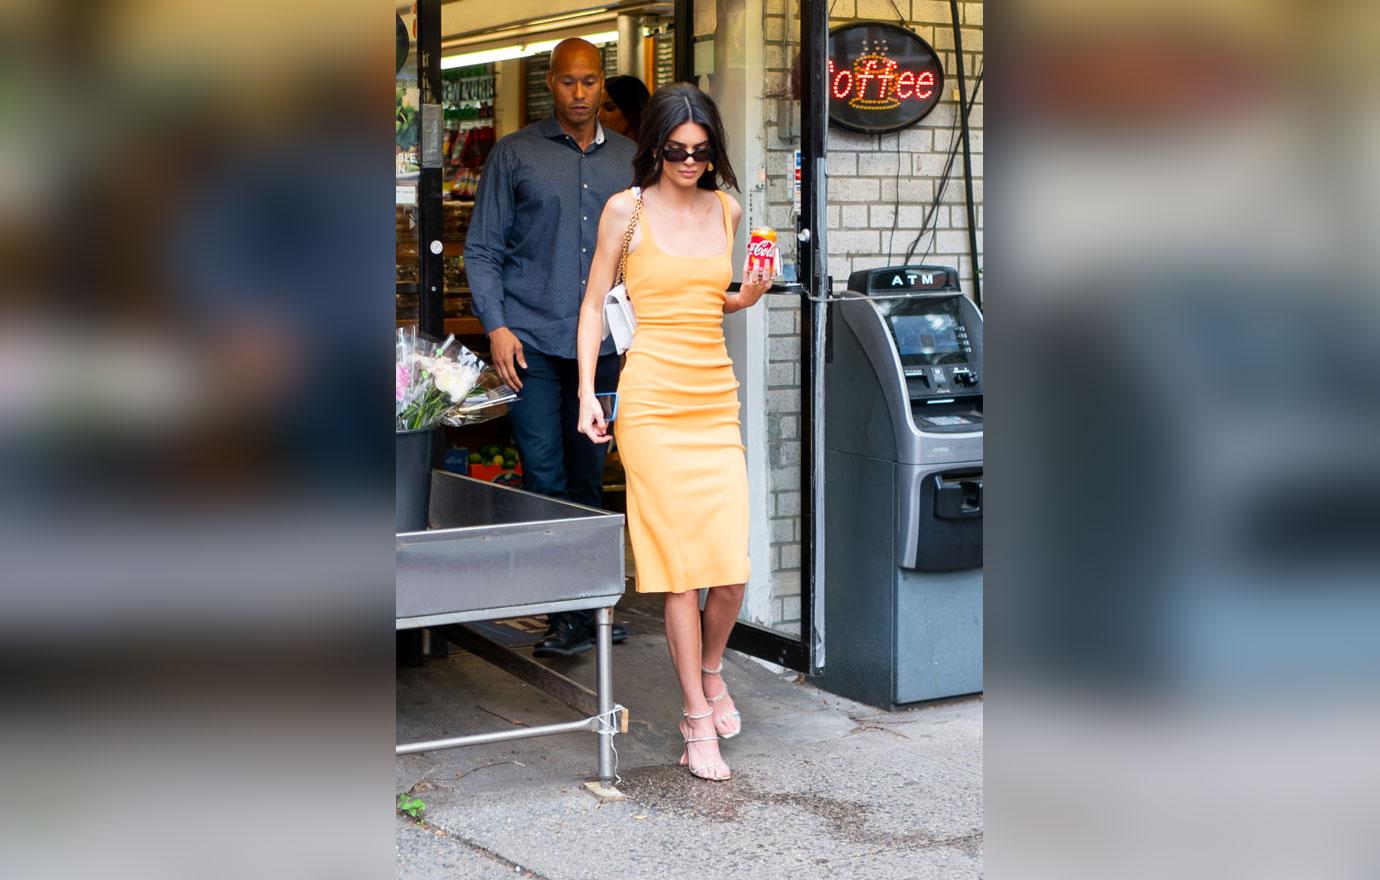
{"x":763,"y":62}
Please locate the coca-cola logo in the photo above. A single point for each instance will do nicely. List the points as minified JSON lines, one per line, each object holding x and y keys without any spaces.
{"x":761,"y":247}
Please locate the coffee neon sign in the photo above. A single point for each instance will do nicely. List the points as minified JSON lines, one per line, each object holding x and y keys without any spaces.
{"x":881,"y":77}
{"x":878,"y":74}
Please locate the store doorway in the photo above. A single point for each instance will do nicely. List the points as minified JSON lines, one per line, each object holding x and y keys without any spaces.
{"x":758,"y":60}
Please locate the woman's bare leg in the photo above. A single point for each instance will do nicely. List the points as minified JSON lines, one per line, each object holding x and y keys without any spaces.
{"x":683,"y":639}
{"x":720,"y":613}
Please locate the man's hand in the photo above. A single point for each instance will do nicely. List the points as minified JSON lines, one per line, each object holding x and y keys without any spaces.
{"x":506,"y":351}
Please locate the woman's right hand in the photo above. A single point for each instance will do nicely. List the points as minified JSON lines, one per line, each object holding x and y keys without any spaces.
{"x":591,"y":422}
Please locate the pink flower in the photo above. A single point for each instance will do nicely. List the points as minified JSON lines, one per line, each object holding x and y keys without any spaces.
{"x":403,"y":380}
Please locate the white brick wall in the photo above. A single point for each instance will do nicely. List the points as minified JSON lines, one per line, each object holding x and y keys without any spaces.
{"x":876,"y":164}
{"x":875,"y":181}
{"x":852,"y":216}
{"x":843,"y":188}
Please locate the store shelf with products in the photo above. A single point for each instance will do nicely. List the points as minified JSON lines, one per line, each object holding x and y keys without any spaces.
{"x":457,"y":307}
{"x":468,"y":96}
{"x":465,"y":327}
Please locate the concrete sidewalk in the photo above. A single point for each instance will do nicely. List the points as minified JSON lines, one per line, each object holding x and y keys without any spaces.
{"x":822,"y":786}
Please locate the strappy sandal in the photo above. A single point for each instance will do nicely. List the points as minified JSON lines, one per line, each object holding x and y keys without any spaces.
{"x":702,"y":770}
{"x":719,"y":670}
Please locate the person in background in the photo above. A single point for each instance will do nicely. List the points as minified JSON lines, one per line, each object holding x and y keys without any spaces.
{"x":621,"y":110}
{"x":527,"y":255}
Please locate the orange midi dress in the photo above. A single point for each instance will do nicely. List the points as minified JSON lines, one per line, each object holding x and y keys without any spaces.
{"x":677,"y":424}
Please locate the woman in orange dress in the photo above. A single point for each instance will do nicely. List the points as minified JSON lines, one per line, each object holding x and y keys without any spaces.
{"x":677,"y":423}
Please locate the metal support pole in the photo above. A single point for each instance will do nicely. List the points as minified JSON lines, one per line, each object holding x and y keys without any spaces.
{"x":814,"y":42}
{"x":430,"y":311}
{"x":817,"y":354}
{"x":480,"y":739}
{"x":683,"y":41}
{"x":603,"y":646}
{"x":630,"y":45}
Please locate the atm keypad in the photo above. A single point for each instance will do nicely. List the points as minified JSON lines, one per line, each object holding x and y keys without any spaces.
{"x":942,"y":379}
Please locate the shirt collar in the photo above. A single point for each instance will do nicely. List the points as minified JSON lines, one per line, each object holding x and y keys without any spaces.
{"x":551,"y":128}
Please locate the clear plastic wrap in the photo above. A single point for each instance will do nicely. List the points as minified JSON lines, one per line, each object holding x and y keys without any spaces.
{"x":444,"y":382}
{"x":430,"y":378}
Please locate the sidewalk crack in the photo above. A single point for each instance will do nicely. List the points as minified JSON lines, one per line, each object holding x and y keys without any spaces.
{"x":968,"y":843}
{"x":518,"y":870}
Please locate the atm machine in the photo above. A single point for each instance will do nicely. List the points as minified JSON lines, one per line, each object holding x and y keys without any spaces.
{"x":903,"y":489}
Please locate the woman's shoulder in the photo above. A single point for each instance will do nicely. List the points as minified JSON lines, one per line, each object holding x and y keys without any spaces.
{"x":735,"y":210}
{"x":619,"y":206}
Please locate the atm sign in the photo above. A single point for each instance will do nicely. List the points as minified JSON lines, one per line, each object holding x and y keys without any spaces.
{"x":920,"y":278}
{"x":881,"y":77}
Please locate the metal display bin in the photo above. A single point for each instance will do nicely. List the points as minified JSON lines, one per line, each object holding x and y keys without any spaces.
{"x":494,"y":552}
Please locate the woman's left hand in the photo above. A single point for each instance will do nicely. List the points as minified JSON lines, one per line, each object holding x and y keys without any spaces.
{"x":591,"y":421}
{"x":755,"y":283}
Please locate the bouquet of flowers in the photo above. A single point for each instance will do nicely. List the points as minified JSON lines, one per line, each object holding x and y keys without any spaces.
{"x":430,"y":379}
{"x":485,"y":401}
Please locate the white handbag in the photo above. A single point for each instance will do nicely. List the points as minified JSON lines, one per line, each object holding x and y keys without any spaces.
{"x":619,"y":319}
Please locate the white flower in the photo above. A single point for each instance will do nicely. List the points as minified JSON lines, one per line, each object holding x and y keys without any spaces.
{"x":453,"y":379}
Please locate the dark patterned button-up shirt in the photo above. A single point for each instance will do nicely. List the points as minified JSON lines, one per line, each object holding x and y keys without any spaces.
{"x":535,"y":224}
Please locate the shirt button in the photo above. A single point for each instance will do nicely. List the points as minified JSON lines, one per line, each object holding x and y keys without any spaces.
{"x":584,"y":250}
{"x":585,"y":185}
{"x":586,"y":217}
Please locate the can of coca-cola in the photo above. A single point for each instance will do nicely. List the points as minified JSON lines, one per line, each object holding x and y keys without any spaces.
{"x":762,"y":252}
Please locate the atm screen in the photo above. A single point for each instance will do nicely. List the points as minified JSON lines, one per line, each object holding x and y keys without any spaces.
{"x":926,"y":335}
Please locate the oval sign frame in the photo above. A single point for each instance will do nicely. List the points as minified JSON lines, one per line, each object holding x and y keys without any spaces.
{"x":920,"y":55}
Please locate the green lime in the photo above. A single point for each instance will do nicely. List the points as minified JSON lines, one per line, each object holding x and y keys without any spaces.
{"x":476,"y":458}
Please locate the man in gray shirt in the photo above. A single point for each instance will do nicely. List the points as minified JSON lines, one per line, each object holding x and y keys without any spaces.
{"x":531,"y":240}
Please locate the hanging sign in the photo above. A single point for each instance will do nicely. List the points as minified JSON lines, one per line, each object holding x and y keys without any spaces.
{"x":881,"y":77}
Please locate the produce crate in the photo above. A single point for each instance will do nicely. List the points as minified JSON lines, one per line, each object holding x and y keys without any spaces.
{"x":487,"y":467}
{"x":493,"y":473}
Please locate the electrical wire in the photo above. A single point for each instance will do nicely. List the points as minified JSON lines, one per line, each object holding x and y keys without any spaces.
{"x":928,"y":224}
{"x":896,"y":203}
{"x":945,"y":175}
{"x":929,"y":249}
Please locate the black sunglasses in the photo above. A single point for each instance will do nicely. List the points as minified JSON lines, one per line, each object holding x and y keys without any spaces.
{"x":676,"y":155}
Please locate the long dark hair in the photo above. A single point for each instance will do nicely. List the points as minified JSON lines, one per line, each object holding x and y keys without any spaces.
{"x":673,"y":105}
{"x":630,"y":95}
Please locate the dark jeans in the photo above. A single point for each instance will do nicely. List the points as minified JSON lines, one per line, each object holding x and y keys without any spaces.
{"x":557,"y":460}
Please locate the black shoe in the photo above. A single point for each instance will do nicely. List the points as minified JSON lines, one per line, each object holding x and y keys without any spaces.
{"x":564,"y":639}
{"x":620,"y":633}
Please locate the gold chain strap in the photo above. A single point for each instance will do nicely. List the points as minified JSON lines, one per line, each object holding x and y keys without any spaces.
{"x":627,"y":240}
